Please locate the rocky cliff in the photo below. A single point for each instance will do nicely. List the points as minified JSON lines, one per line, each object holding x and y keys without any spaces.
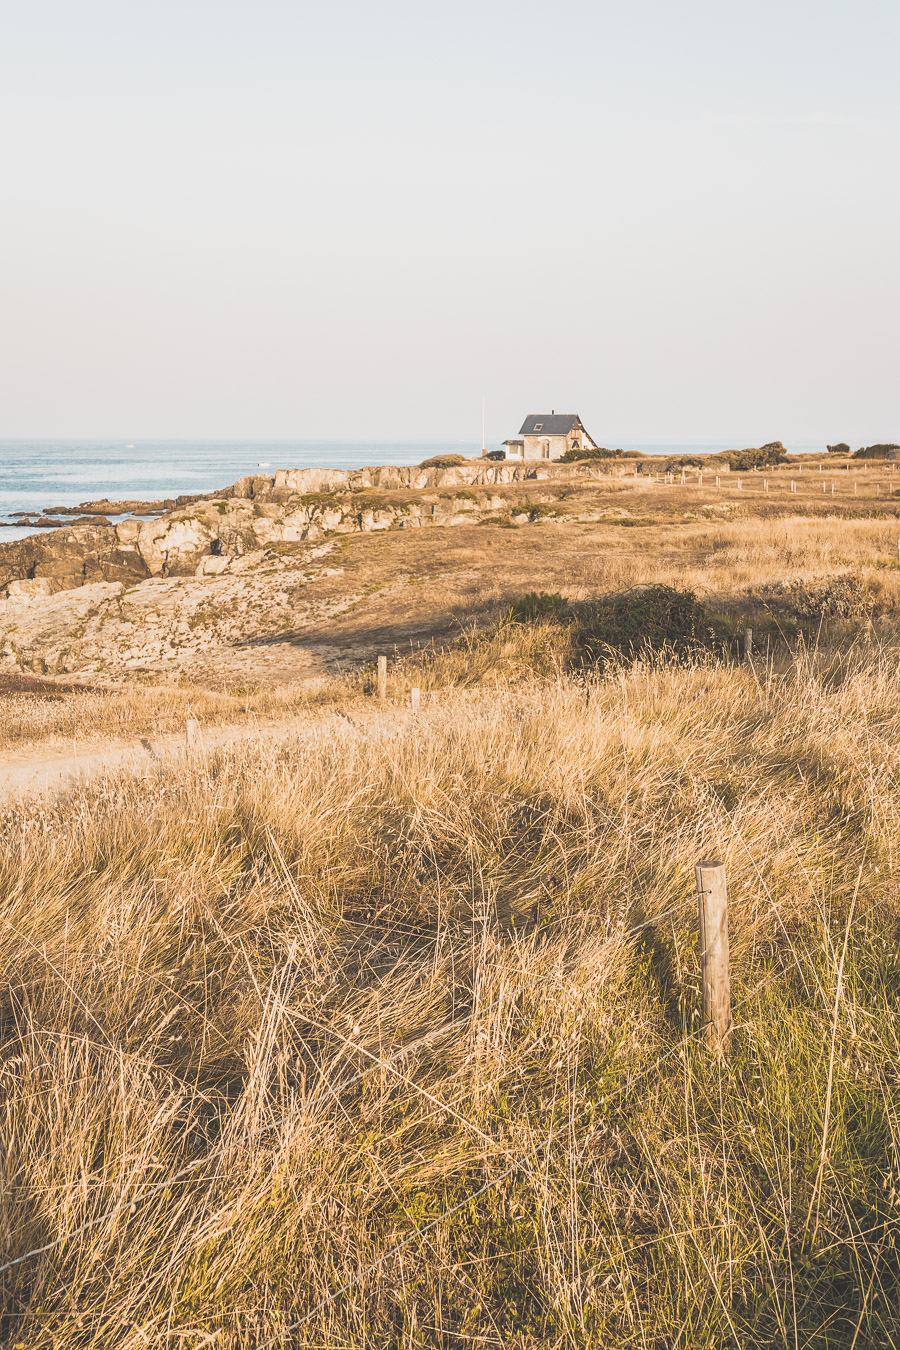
{"x":295,"y":505}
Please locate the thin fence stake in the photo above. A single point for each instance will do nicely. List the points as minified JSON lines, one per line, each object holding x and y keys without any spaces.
{"x":748,"y":644}
{"x":191,"y":733}
{"x":414,"y":698}
{"x":712,"y":895}
{"x":382,"y":678}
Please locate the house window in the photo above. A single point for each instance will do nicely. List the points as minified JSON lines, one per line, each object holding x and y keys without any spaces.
{"x":546,"y":449}
{"x":539,"y":426}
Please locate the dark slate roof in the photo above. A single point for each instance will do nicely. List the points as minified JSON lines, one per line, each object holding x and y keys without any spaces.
{"x":551,"y":424}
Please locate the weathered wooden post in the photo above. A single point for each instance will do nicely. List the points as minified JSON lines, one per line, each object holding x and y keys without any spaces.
{"x":382,"y":678}
{"x":191,"y":733}
{"x":414,"y":699}
{"x":712,"y":896}
{"x":765,"y":485}
{"x":748,"y":644}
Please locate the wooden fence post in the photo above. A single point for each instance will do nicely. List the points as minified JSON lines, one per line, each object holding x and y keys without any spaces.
{"x":382,"y":678}
{"x":712,"y":895}
{"x":414,"y":699}
{"x":748,"y":644}
{"x":191,"y":733}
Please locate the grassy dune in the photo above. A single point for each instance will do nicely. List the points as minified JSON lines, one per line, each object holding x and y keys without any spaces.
{"x":391,"y":1040}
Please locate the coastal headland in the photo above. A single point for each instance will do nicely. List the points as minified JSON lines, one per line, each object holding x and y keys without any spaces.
{"x":308,"y":572}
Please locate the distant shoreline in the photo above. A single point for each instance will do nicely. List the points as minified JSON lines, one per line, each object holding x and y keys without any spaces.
{"x":39,"y":474}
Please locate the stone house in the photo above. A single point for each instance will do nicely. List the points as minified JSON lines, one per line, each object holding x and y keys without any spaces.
{"x":548,"y":436}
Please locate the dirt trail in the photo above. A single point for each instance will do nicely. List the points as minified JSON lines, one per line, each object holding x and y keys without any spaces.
{"x":26,"y":774}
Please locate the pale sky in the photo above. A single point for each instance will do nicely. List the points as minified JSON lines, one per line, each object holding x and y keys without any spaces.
{"x":288,"y":220}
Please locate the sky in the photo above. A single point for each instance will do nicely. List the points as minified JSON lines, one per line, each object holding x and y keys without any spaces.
{"x":288,"y":220}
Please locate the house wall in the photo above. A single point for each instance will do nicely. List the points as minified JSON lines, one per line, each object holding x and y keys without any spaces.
{"x":534,"y":446}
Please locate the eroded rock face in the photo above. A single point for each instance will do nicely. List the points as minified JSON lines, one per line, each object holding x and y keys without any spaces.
{"x":293,"y":506}
{"x":173,"y":546}
{"x":71,"y":558}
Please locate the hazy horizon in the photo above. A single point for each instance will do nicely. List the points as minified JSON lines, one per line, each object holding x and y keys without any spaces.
{"x":294,"y":223}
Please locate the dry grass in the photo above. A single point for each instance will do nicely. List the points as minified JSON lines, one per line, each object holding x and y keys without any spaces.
{"x":264,"y":1024}
{"x":50,"y":715}
{"x":415,"y":586}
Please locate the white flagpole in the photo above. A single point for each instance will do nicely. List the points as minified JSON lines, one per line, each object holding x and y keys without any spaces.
{"x":483,"y":446}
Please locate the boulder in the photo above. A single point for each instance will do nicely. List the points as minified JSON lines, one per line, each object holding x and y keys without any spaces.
{"x":173,"y":547}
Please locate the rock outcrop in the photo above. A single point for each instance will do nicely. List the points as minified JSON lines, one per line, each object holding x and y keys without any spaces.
{"x":204,"y":536}
{"x":65,"y":559}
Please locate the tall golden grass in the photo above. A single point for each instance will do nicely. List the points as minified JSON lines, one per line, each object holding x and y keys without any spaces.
{"x":267,"y":1025}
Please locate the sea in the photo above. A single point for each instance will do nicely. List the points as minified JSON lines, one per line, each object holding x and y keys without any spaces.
{"x":37,"y":475}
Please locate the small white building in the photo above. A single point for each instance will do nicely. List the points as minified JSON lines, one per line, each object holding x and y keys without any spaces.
{"x":549,"y":436}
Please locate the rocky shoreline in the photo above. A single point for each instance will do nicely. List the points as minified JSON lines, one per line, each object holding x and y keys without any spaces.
{"x":203,"y":535}
{"x":223,"y":586}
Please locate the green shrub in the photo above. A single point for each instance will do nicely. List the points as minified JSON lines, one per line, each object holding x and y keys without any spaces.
{"x":842,"y":448}
{"x":443,"y":462}
{"x":763,"y":457}
{"x":536,"y":605}
{"x":874,"y":451}
{"x":596,"y":452}
{"x":504,"y":520}
{"x":684,"y":462}
{"x":645,"y":620}
{"x":843,"y":596}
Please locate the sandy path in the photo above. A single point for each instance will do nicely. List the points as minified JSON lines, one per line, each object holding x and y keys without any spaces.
{"x":23,"y":775}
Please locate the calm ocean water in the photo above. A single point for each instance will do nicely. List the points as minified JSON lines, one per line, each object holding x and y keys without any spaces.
{"x":35,"y":475}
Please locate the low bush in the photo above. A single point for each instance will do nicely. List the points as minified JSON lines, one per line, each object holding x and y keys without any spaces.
{"x":644,"y":621}
{"x":684,"y":462}
{"x":443,"y":462}
{"x":874,"y":451}
{"x":536,"y":605}
{"x":595,"y":452}
{"x":763,"y":457}
{"x":841,"y":448}
{"x":845,"y":596}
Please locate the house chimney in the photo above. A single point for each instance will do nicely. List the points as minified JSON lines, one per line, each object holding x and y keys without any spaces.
{"x":552,"y":412}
